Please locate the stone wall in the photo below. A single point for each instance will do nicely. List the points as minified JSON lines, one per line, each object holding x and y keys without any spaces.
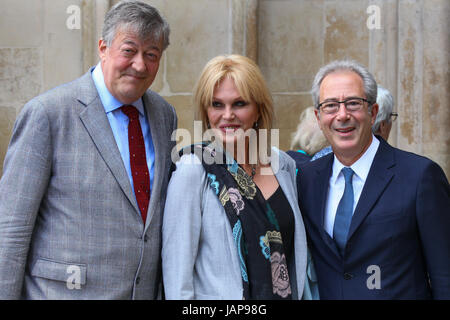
{"x":405,"y":43}
{"x":43,"y":43}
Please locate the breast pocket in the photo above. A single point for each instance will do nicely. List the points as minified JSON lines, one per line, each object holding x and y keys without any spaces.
{"x":388,"y":209}
{"x":391,"y":217}
{"x":74,"y":274}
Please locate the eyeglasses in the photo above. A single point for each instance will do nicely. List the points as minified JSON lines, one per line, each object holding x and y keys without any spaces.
{"x":351,"y":105}
{"x":393,"y":116}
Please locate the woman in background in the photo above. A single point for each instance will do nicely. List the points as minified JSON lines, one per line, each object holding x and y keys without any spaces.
{"x":308,"y":141}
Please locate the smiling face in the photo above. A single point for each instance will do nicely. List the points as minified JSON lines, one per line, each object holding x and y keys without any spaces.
{"x":129,"y":65}
{"x":349,"y":133}
{"x":229,"y":112}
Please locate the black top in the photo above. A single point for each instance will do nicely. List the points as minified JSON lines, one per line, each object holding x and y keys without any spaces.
{"x":285,"y":216}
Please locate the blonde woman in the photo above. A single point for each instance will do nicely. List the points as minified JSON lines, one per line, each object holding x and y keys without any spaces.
{"x":232,"y":228}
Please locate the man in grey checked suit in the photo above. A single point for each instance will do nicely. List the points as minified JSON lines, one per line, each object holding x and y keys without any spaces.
{"x":70,"y":225}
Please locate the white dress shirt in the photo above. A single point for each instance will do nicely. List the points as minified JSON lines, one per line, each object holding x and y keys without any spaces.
{"x":336,"y":183}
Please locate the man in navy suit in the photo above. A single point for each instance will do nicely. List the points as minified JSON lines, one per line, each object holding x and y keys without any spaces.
{"x":377,"y":218}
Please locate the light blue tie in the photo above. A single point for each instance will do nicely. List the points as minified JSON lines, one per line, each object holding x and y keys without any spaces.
{"x":344,"y":211}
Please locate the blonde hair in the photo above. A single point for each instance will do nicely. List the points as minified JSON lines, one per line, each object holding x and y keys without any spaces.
{"x":248,"y":80}
{"x":308,"y":136}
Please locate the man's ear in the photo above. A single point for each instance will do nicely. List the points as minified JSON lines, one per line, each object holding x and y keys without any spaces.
{"x":102,"y":47}
{"x":374,"y":112}
{"x":316,"y":112}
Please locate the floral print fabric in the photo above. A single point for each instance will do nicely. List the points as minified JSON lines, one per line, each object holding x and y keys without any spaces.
{"x":255,"y":228}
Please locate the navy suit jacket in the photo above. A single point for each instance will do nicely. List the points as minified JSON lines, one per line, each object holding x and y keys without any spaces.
{"x":299,"y":157}
{"x":398,"y":244}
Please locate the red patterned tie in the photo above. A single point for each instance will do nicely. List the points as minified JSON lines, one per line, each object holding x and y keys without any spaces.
{"x":138,"y":160}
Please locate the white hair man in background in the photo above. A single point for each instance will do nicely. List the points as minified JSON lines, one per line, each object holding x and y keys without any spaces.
{"x":385,"y":116}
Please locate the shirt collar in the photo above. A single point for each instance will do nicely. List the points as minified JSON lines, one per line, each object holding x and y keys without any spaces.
{"x":362,"y":166}
{"x":110,"y":103}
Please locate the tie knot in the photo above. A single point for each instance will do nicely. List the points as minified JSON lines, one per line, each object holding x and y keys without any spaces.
{"x":130,"y":111}
{"x":348,"y":173}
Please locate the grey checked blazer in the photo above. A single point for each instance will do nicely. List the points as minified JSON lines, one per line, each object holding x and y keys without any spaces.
{"x":200,"y":259}
{"x":70,"y":227}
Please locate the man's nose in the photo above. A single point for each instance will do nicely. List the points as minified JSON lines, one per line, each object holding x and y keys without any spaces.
{"x":342,"y":112}
{"x":139,"y":63}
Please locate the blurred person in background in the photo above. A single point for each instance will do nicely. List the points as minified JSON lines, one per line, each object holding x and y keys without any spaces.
{"x":385,"y":116}
{"x":308,"y":139}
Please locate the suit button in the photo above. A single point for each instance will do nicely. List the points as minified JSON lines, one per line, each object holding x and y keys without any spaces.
{"x":145,"y":238}
{"x":348,"y":276}
{"x":138,"y":279}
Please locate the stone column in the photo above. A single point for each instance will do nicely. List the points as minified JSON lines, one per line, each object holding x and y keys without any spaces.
{"x":93,"y":14}
{"x":245,"y":28}
{"x":436,"y":83}
{"x":423,"y":93}
{"x":383,"y":52}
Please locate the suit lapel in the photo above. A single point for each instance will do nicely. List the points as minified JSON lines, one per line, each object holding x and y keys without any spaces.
{"x":321,"y":186}
{"x":97,"y":125}
{"x":282,"y":177}
{"x":157,"y":128}
{"x":379,"y":177}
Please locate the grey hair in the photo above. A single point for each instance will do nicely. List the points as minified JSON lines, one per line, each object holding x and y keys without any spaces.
{"x":138,"y":16}
{"x":385,"y":102}
{"x":369,"y":83}
{"x":308,"y":136}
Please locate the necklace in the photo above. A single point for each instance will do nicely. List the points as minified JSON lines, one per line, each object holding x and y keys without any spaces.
{"x":253,"y":171}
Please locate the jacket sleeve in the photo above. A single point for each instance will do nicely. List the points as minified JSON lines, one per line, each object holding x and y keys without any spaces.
{"x":433,"y":217}
{"x":181,"y":228}
{"x":26,"y":174}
